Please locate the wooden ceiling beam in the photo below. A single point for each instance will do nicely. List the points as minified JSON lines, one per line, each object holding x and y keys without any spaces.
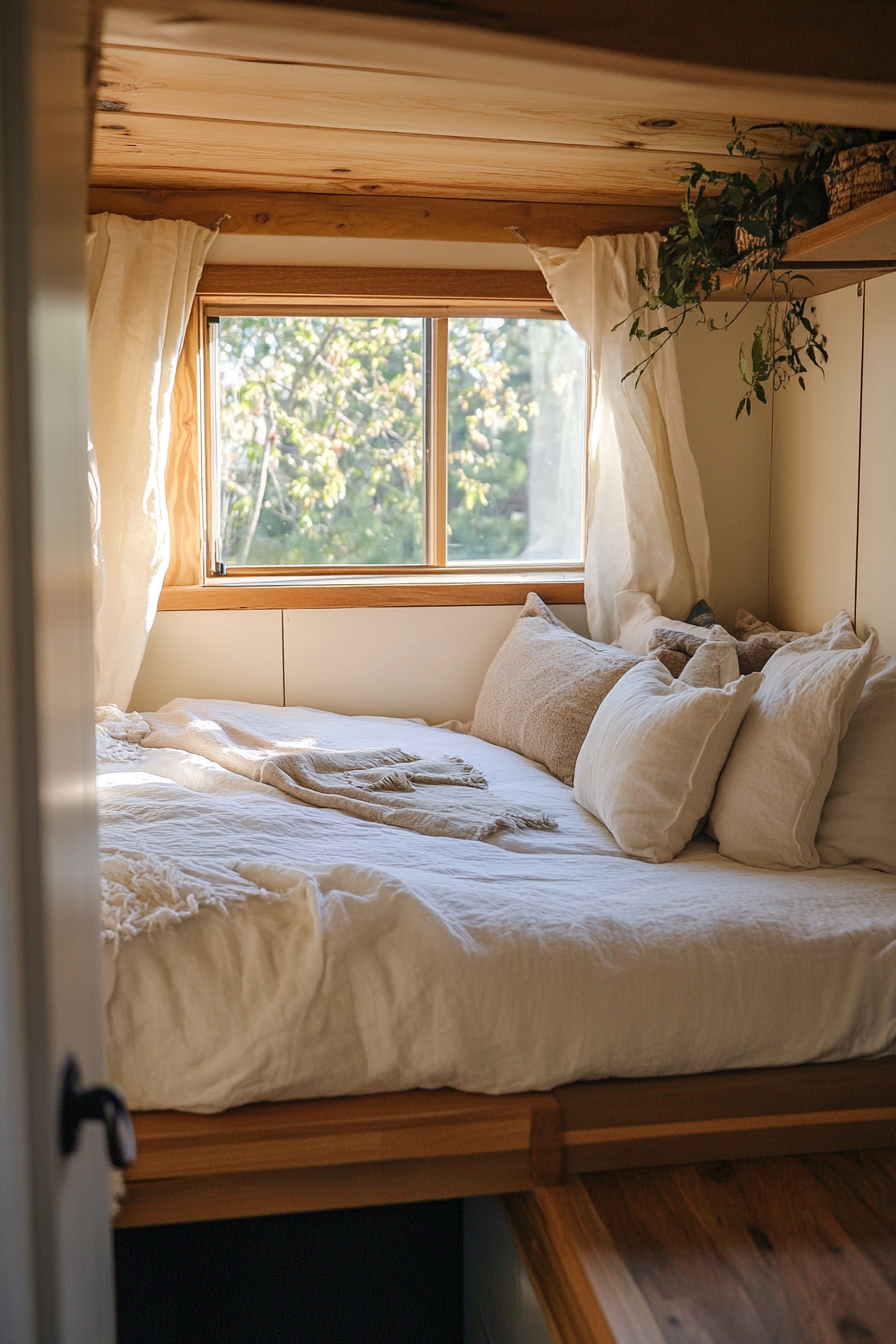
{"x":299,"y":214}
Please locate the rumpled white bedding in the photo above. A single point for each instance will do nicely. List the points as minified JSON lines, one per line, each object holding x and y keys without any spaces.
{"x":527,"y":961}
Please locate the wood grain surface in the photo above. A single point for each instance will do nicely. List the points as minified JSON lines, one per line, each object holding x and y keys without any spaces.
{"x":355,"y":215}
{"x":328,"y":596}
{"x":412,"y":283}
{"x":400,"y":1146}
{"x":182,"y":470}
{"x":784,"y":1249}
{"x":136,"y":150}
{"x":206,"y":119}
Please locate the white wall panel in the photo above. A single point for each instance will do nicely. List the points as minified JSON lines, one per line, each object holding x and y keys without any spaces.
{"x":500,"y":1305}
{"x":876,"y":587}
{"x":222,"y":655}
{"x":733,"y":458}
{"x":425,"y":662}
{"x":815,"y":478}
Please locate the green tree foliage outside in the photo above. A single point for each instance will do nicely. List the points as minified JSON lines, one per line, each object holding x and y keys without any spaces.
{"x":490,"y":408}
{"x":321,"y":439}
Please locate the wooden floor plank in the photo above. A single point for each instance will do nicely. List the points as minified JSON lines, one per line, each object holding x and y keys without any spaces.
{"x":862,"y":1188}
{"x":683,"y":1269}
{"x":768,"y":1251}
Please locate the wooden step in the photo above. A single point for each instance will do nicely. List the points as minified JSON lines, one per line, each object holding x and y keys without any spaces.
{"x":786,"y":1250}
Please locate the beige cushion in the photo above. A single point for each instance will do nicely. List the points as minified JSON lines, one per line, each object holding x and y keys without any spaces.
{"x":639,"y":616}
{"x":771,"y":792}
{"x":543,"y":688}
{"x":652,"y":756}
{"x":714,"y":663}
{"x":748,"y":626}
{"x":858,"y":822}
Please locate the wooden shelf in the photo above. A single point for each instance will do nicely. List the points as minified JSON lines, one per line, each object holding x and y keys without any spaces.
{"x":845,"y":251}
{"x":864,"y":237}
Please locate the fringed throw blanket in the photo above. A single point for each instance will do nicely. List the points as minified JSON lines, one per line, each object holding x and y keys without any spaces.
{"x":141,"y":893}
{"x":442,"y":796}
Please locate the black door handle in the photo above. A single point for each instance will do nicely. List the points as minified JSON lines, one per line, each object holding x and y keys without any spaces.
{"x":105,"y":1104}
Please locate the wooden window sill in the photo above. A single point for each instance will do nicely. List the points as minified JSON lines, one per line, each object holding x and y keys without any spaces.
{"x":504,"y":590}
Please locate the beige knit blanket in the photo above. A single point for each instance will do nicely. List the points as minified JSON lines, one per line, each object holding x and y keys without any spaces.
{"x":443,"y":796}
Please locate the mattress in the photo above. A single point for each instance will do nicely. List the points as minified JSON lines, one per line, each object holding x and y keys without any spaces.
{"x":388,"y":960}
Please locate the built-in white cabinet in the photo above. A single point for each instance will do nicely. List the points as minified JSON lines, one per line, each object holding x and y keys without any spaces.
{"x":500,"y":1306}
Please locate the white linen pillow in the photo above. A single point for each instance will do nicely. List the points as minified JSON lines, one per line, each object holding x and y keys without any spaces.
{"x":649,"y":765}
{"x":639,"y":616}
{"x":770,"y":794}
{"x":858,"y":821}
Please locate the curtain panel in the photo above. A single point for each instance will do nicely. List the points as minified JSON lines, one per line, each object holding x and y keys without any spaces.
{"x":646,"y":528}
{"x":142,"y":278}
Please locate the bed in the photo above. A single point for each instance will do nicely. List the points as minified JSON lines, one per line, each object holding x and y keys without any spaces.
{"x":414,"y":999}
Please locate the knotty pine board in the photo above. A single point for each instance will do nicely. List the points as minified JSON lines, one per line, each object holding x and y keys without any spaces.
{"x":230,"y":88}
{"x":135,"y":149}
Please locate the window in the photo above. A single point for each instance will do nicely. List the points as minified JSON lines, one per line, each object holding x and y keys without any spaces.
{"x":348,"y":440}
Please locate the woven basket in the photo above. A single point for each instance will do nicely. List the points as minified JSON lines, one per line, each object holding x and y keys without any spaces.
{"x":748,"y":245}
{"x":750,"y":248}
{"x":859,"y":175}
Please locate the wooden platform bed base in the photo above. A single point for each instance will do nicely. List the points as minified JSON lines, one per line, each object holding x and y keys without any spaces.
{"x":286,"y":1157}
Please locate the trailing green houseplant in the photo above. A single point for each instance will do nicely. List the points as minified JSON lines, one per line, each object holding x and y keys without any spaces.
{"x":735,"y":227}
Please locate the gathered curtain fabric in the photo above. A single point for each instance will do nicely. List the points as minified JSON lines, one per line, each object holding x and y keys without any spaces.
{"x":142,"y":279}
{"x":645,"y":523}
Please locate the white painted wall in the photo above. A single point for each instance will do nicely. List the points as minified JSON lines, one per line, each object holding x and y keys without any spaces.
{"x":815,"y":478}
{"x":412,"y":662}
{"x":833,"y":535}
{"x":876,"y":578}
{"x":425,"y":662}
{"x":734,"y":460}
{"x":222,"y":655}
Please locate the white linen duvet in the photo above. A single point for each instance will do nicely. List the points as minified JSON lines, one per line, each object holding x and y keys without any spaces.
{"x":523,"y":962}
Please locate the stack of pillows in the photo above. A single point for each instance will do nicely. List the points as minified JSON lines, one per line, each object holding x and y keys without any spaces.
{"x":686,"y":726}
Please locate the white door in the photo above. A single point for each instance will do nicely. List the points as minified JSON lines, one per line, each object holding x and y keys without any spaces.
{"x":55,"y":1242}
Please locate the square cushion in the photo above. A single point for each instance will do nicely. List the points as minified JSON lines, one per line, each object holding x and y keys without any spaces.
{"x":858,"y":821}
{"x":649,"y":765}
{"x":639,"y":616}
{"x":713,"y":664}
{"x":543,"y":688}
{"x":770,"y":795}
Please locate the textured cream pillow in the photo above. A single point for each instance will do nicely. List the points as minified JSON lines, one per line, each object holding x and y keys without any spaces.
{"x":858,"y":822}
{"x":639,"y":616}
{"x":652,"y":756}
{"x":771,"y":792}
{"x":714,"y":664}
{"x":543,"y":688}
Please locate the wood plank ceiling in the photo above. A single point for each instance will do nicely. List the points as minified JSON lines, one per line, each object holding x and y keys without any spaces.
{"x":205,"y":119}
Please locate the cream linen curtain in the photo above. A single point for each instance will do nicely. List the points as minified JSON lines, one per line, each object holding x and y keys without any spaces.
{"x":142,"y":278}
{"x":646,"y":528}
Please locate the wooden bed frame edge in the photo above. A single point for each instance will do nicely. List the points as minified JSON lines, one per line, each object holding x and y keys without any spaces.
{"x":297,"y":1156}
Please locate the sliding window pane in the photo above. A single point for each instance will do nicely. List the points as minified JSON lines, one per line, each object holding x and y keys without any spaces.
{"x":516,"y":440}
{"x":320,"y":449}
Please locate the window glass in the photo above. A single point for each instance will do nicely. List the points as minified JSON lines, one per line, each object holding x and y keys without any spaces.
{"x":516,"y":440}
{"x":320,"y":440}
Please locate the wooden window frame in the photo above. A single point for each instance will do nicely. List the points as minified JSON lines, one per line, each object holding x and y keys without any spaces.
{"x":191,"y":583}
